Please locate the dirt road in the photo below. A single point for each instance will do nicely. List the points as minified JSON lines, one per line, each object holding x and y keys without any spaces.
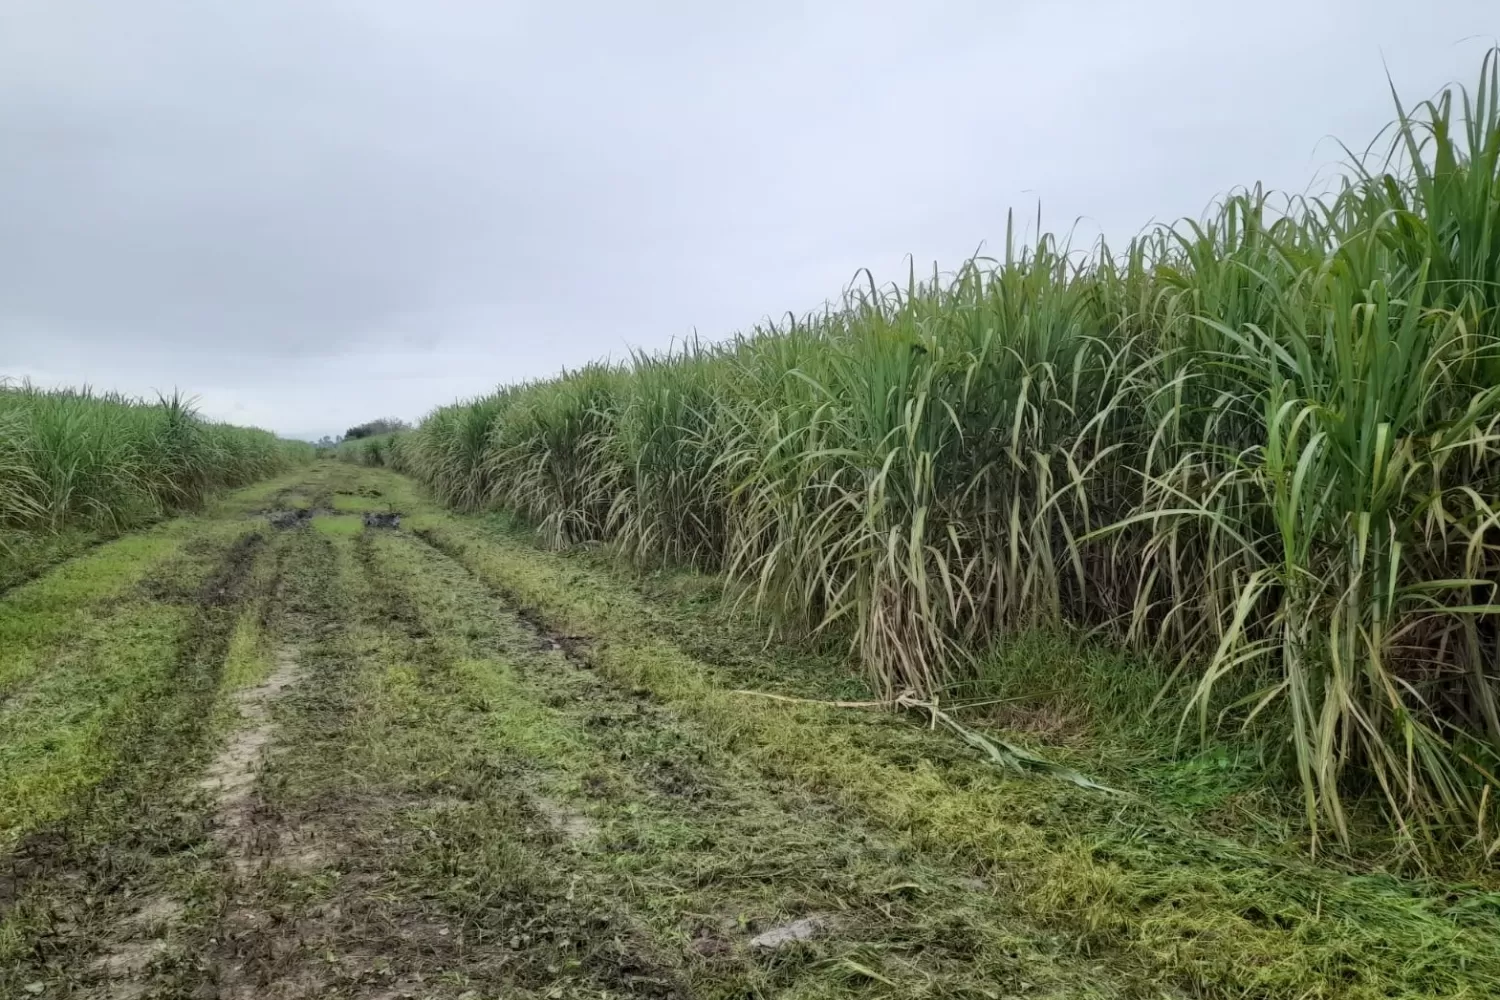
{"x":423,"y":762}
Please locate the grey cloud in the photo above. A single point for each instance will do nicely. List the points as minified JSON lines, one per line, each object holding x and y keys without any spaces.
{"x":313,"y":212}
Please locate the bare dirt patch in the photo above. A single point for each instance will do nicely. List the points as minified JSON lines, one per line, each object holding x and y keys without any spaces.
{"x":290,"y":518}
{"x":573,"y":825}
{"x":229,"y":779}
{"x":232,"y":774}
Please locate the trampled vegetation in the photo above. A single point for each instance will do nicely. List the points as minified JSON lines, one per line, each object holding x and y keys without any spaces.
{"x":271,"y":750}
{"x":95,"y":464}
{"x":1259,"y":448}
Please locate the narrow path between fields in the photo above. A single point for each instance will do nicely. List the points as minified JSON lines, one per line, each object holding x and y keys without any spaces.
{"x":429,"y":796}
{"x":359,"y":769}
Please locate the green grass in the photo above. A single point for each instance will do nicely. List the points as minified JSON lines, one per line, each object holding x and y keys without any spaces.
{"x":87,"y":648}
{"x":41,"y":615}
{"x":28,"y":554}
{"x":694,"y":849}
{"x":1257,"y":449}
{"x":427,"y":774}
{"x":339,"y":524}
{"x":248,"y":660}
{"x":86,"y":651}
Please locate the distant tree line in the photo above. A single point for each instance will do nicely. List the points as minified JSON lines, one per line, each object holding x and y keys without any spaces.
{"x":384,"y":425}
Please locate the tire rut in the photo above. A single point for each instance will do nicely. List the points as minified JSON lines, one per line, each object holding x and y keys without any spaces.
{"x":433,"y":795}
{"x":769,"y":877}
{"x":89,"y":892}
{"x":231,"y":777}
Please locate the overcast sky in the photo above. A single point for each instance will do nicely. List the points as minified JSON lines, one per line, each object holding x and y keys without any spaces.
{"x":313,"y":212}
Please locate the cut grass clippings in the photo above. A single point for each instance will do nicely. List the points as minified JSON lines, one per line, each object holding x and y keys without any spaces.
{"x":507,"y":772}
{"x":85,"y":652}
{"x":701,"y":851}
{"x":1211,"y":916}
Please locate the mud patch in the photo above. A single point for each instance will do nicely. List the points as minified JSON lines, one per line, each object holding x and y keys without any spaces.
{"x":574,"y":647}
{"x":224,"y":586}
{"x":125,"y":967}
{"x":292,"y":518}
{"x":571,"y":824}
{"x":231,"y":776}
{"x":145,"y":941}
{"x":299,"y":853}
{"x":156,"y":914}
{"x":130,"y":959}
{"x":675,"y":779}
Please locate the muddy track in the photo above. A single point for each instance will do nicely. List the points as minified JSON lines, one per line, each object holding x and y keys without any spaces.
{"x":141,"y":896}
{"x":442,"y":863}
{"x":426,"y":792}
{"x":764,"y":865}
{"x":78,"y":885}
{"x":432,"y":795}
{"x":368,"y":772}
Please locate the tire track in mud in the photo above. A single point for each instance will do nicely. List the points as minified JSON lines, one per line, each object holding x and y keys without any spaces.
{"x":261,"y":845}
{"x":231,"y":776}
{"x":433,"y":796}
{"x":762,"y":885}
{"x":207,"y":923}
{"x":535,"y":929}
{"x":376,"y":856}
{"x":87,"y":892}
{"x":163,"y":950}
{"x":229,"y":783}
